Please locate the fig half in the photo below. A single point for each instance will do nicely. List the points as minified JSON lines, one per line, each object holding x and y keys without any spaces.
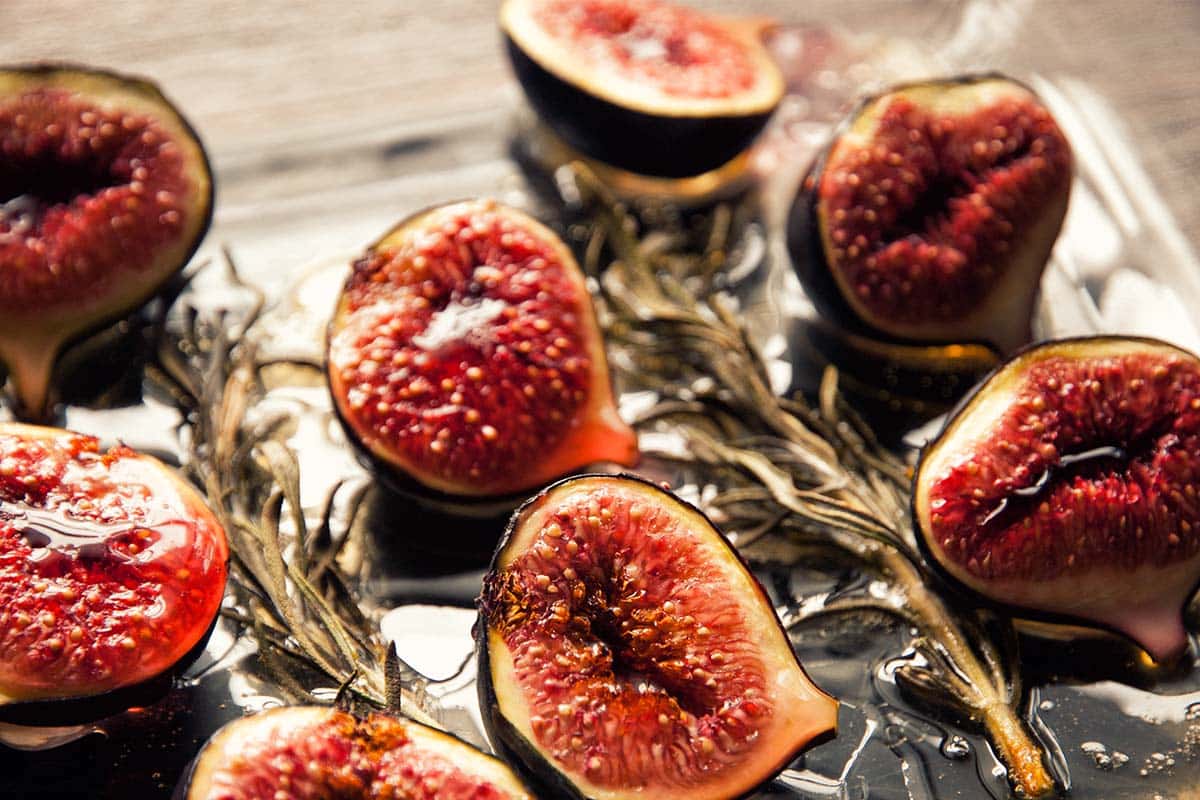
{"x":112,"y":571}
{"x":1066,"y":486}
{"x":105,"y":193}
{"x":647,"y":86}
{"x":466,"y":362}
{"x":315,"y":753}
{"x":626,"y":651}
{"x":931,"y":214}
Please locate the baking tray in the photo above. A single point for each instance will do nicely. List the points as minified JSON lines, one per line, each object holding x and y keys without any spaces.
{"x":1121,"y":265}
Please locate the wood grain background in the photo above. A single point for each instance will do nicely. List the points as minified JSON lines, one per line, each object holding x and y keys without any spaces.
{"x":288,"y":93}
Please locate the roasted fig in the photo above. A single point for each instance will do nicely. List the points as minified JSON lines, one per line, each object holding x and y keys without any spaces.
{"x":466,"y":363}
{"x":105,"y":192}
{"x":112,"y":571}
{"x":646,"y":86}
{"x":1065,"y":486}
{"x":931,"y":214}
{"x":315,"y":753}
{"x":625,"y":651}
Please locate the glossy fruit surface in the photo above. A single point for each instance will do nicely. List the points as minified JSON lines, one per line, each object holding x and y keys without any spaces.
{"x":652,"y":87}
{"x":112,"y":571}
{"x":465,"y":358}
{"x":933,"y":211}
{"x":105,"y":192}
{"x":316,"y":753}
{"x":626,"y":651}
{"x":1066,"y":485}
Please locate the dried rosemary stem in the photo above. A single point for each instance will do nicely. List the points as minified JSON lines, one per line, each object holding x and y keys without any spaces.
{"x":816,"y":474}
{"x":990,"y":701}
{"x":296,"y":602}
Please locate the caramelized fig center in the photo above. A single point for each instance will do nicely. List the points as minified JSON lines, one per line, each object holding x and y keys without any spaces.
{"x":638,"y":661}
{"x":925,"y":201}
{"x":676,"y":49}
{"x":80,"y":187}
{"x":1094,"y":465}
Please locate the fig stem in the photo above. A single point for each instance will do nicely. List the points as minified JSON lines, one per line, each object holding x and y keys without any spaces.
{"x":1008,"y":733}
{"x":30,"y":374}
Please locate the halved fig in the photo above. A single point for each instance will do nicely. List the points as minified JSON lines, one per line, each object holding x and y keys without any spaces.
{"x":647,"y":86}
{"x":316,"y":753}
{"x":1066,"y":486}
{"x":105,"y":193}
{"x":112,"y":571}
{"x":626,"y":651}
{"x":931,"y":214}
{"x":465,"y":359}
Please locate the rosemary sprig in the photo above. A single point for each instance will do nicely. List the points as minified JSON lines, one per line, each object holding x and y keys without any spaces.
{"x":814,"y":474}
{"x":293,"y":598}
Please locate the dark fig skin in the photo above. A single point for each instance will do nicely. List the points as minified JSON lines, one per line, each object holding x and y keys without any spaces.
{"x":805,"y":247}
{"x":525,"y":755}
{"x":899,"y":386}
{"x":489,"y":511}
{"x":648,"y":144}
{"x":674,"y":144}
{"x":31,"y":363}
{"x":1061,"y":625}
{"x":807,"y":250}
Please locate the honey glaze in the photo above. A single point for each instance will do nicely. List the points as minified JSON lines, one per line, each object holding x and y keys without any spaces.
{"x":57,"y":536}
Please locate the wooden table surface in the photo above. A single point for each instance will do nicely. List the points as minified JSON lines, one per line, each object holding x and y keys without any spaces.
{"x":288,"y":92}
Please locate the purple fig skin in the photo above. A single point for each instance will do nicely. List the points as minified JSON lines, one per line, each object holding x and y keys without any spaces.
{"x":635,"y":130}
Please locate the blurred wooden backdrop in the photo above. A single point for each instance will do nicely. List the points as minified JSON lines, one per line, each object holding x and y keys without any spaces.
{"x":284,"y":91}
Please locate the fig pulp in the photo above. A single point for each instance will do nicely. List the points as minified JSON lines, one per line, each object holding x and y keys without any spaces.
{"x":627,"y":652}
{"x":315,"y":753}
{"x":932,"y":213}
{"x":646,"y":86}
{"x":465,"y":359}
{"x":112,"y":571}
{"x":1066,"y":485}
{"x":105,"y":192}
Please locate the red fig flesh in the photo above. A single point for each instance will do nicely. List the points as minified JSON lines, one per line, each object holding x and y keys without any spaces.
{"x":112,"y":571}
{"x":105,"y":192}
{"x":1065,"y":485}
{"x":627,"y":652}
{"x":313,"y":753}
{"x":934,"y":210}
{"x":465,"y":356}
